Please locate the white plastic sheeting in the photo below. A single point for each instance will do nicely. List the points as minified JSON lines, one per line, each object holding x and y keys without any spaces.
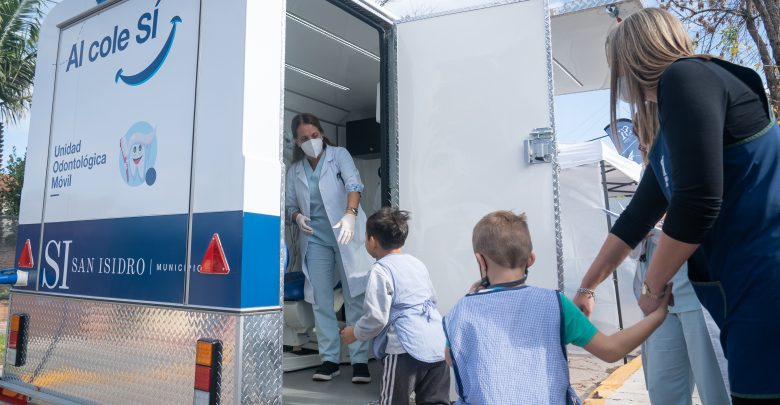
{"x":588,"y":153}
{"x":585,"y":227}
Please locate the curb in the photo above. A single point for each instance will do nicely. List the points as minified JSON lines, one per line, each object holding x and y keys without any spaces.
{"x":613,"y":382}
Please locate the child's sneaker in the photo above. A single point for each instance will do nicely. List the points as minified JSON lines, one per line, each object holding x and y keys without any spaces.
{"x":360,"y":374}
{"x":326,"y":372}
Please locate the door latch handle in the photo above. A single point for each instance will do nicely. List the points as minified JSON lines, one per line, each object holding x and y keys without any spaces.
{"x":540,"y":146}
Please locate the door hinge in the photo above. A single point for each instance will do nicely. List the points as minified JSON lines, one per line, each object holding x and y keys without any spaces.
{"x":540,"y":146}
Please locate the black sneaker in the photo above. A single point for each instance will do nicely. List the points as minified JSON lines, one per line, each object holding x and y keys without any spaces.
{"x":360,"y":374}
{"x":326,"y":372}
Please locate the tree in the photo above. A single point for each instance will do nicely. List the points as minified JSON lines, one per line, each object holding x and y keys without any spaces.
{"x":11,"y":181}
{"x":19,"y":26}
{"x":413,"y":8}
{"x":743,"y":31}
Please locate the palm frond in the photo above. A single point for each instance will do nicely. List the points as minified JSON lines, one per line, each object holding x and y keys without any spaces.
{"x":19,"y":27}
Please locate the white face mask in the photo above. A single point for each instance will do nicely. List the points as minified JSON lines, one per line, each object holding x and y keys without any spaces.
{"x":623,"y":93}
{"x":312,"y":148}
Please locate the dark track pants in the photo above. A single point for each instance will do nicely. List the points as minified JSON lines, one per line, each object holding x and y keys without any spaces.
{"x":403,"y":374}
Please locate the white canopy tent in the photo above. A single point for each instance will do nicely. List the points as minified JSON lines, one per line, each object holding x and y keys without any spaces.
{"x":590,"y":172}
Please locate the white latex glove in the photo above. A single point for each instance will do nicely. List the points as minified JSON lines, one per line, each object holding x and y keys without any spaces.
{"x":303,"y":224}
{"x":347,"y":225}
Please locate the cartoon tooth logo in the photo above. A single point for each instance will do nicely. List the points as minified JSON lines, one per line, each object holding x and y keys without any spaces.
{"x":137,"y":155}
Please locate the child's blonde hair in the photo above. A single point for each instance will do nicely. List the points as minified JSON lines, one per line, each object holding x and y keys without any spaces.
{"x":503,"y":237}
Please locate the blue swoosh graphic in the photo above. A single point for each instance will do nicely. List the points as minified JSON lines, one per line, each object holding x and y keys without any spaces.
{"x":146,"y":74}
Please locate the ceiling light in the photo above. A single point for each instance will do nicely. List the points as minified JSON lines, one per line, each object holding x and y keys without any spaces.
{"x":334,"y":37}
{"x":315,"y":77}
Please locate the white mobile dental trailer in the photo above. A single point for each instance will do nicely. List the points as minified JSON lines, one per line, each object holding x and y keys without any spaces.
{"x":152,"y":224}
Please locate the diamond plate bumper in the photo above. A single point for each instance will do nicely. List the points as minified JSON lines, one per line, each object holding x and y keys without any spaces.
{"x":114,"y":353}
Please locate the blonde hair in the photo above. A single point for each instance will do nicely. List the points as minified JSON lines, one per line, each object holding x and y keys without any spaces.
{"x":504,"y":238}
{"x":639,"y":50}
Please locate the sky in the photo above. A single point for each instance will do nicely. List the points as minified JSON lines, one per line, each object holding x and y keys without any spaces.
{"x":15,"y":136}
{"x":409,"y":7}
{"x":579,"y":117}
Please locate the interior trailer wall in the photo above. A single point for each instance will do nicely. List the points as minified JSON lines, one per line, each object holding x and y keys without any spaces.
{"x":369,"y":172}
{"x":368,"y":166}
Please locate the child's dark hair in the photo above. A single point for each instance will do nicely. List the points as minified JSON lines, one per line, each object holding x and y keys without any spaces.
{"x":389,"y":226}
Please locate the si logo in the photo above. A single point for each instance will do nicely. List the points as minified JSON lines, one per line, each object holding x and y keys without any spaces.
{"x":56,"y":253}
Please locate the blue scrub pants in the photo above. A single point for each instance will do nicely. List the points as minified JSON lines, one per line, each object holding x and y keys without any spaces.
{"x":322,"y":262}
{"x":677,"y":355}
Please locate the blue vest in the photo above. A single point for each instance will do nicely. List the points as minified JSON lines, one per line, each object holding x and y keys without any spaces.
{"x":736,"y":270}
{"x":413,"y":312}
{"x":507,"y":348}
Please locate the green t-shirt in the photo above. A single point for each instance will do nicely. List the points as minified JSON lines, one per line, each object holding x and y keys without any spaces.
{"x":577,"y":328}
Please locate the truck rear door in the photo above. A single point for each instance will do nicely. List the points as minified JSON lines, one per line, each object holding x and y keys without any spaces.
{"x":117,"y":197}
{"x":471,"y":86}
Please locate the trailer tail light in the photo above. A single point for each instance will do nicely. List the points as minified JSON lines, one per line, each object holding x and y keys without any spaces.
{"x":13,"y":398}
{"x":16,"y":353}
{"x":26,"y":258}
{"x":214,"y":261}
{"x":208,"y":371}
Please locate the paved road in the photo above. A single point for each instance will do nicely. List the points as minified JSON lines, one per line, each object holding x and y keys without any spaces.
{"x":633,"y":392}
{"x":586,"y":372}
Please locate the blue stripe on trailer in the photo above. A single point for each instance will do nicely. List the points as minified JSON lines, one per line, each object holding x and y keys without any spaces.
{"x":262,"y":267}
{"x":139,"y":258}
{"x":143,"y":259}
{"x":251,"y":243}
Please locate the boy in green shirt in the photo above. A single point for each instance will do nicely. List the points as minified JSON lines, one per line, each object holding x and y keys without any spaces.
{"x":507,"y":331}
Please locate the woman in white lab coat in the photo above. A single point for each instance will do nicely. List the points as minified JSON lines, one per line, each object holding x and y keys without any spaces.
{"x":322,"y":196}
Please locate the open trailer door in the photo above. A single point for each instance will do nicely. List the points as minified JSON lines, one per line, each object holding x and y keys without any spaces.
{"x":472,"y":86}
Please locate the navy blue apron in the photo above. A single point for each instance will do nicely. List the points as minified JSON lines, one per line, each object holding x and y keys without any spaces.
{"x":736,"y":270}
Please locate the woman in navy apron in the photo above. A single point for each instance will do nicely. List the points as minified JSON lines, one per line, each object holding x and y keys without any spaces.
{"x":713,"y":154}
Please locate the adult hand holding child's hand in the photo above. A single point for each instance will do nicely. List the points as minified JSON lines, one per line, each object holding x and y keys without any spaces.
{"x":650,"y":305}
{"x":585,"y":303}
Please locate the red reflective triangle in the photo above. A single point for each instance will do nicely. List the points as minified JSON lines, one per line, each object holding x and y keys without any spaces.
{"x":26,"y":258}
{"x":214,"y":261}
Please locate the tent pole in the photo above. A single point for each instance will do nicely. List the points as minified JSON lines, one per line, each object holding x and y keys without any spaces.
{"x":609,"y":227}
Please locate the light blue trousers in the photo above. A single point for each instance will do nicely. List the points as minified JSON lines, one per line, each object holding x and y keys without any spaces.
{"x":322,"y":262}
{"x":680,"y":354}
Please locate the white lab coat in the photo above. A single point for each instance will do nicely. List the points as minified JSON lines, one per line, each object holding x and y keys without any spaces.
{"x":356,"y":261}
